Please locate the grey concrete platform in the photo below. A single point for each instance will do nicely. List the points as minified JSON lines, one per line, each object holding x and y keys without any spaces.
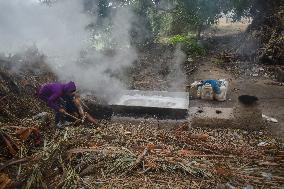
{"x":165,"y":124}
{"x":249,"y":119}
{"x":151,"y":104}
{"x":172,"y":108}
{"x":210,"y":117}
{"x":161,"y":105}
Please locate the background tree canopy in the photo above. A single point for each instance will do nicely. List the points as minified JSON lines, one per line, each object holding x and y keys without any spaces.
{"x":173,"y":18}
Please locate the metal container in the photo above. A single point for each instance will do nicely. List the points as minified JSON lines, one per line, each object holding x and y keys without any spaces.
{"x":144,"y":104}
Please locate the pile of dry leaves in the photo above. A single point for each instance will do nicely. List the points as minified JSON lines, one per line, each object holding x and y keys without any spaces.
{"x":127,"y":154}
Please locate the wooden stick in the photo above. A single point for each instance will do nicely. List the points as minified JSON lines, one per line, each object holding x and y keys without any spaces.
{"x":77,"y":119}
{"x":138,"y":160}
{"x":12,"y":162}
{"x":208,"y":155}
{"x":3,"y":97}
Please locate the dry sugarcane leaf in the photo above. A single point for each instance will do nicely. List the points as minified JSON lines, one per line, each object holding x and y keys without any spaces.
{"x":79,"y":150}
{"x":163,"y":152}
{"x":13,"y":161}
{"x":138,"y":160}
{"x":183,"y":152}
{"x":24,"y":133}
{"x":183,"y":127}
{"x":5,"y":181}
{"x":94,"y":145}
{"x":151,"y":146}
{"x":222,"y":171}
{"x":13,"y":148}
{"x":203,"y":137}
{"x":268,"y":163}
{"x":151,"y":164}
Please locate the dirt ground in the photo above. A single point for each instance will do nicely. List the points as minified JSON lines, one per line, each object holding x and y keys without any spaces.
{"x":252,"y":79}
{"x":271,"y":97}
{"x":245,"y":76}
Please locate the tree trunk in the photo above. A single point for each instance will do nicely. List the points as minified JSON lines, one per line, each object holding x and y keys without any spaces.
{"x":267,"y":28}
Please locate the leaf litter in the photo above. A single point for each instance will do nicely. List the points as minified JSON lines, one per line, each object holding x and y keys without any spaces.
{"x":126,"y":155}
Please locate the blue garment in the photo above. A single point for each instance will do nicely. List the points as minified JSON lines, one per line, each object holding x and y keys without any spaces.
{"x":214,"y":83}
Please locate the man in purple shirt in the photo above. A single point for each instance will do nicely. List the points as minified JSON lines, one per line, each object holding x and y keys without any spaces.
{"x":62,"y":99}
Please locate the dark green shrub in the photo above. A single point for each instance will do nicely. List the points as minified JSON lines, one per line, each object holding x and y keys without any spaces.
{"x":189,"y":44}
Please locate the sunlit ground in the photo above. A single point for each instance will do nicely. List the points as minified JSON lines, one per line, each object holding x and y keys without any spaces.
{"x":228,"y":27}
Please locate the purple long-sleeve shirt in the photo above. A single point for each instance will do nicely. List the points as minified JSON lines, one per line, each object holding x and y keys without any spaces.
{"x":51,"y":92}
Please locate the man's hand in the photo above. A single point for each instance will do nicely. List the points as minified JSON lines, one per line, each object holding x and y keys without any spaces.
{"x":61,"y":110}
{"x":78,"y":104}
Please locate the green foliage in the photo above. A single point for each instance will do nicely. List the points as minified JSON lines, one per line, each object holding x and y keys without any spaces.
{"x":178,"y":39}
{"x":189,"y":44}
{"x":195,"y":48}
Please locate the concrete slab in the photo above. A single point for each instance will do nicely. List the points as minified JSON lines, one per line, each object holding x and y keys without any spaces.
{"x":168,"y":124}
{"x":173,"y":108}
{"x":211,"y":117}
{"x":151,"y":104}
{"x":158,"y":99}
{"x":225,"y":118}
{"x":217,"y":113}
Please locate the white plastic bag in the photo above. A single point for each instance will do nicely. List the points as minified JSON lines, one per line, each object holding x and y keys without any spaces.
{"x":223,"y":88}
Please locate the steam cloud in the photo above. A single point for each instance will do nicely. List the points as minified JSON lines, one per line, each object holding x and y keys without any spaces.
{"x":177,"y":77}
{"x":59,"y":32}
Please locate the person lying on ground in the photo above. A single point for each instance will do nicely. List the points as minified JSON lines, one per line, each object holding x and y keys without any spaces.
{"x":62,"y":98}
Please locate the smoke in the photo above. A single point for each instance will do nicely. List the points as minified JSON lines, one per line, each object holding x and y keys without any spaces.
{"x":60,"y":32}
{"x":177,"y":77}
{"x":51,"y":29}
